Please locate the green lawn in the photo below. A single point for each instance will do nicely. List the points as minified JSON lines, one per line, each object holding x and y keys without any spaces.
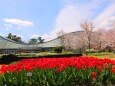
{"x":102,"y":55}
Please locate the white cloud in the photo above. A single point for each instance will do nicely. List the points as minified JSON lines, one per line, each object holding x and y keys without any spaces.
{"x":7,"y":28}
{"x":47,"y":37}
{"x":8,"y":25}
{"x":44,"y":36}
{"x":72,"y":14}
{"x":18,"y":22}
{"x":67,"y":19}
{"x":35,"y":36}
{"x":107,"y":23}
{"x":106,"y":18}
{"x":18,"y":28}
{"x":108,"y":12}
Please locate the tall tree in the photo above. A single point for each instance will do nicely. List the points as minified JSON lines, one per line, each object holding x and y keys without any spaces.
{"x":67,"y":41}
{"x":33,"y":41}
{"x":9,"y":36}
{"x":40,"y":40}
{"x":60,"y":35}
{"x":14,"y":37}
{"x":88,"y":28}
{"x":73,"y":41}
{"x":110,"y":37}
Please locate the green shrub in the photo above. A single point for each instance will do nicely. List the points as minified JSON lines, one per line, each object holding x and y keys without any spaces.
{"x":7,"y":59}
{"x":91,"y":51}
{"x":58,"y":49}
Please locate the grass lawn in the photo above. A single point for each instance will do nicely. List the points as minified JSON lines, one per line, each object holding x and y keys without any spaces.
{"x":102,"y":55}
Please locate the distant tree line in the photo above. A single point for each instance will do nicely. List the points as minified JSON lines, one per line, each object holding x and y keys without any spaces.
{"x":19,"y":39}
{"x":36,"y":40}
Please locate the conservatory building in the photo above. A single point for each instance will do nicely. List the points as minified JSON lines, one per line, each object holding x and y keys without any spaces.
{"x":8,"y":46}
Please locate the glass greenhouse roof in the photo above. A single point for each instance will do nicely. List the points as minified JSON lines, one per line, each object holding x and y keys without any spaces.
{"x":6,"y":43}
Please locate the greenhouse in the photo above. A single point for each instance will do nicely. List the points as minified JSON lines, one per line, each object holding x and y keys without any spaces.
{"x":9,"y":46}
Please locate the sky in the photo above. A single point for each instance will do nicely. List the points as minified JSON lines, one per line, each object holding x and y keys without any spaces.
{"x":33,"y":18}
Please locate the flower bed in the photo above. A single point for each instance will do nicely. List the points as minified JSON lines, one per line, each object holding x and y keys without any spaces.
{"x":72,"y":71}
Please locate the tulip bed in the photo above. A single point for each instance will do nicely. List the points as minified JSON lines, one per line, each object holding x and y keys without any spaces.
{"x":74,"y":71}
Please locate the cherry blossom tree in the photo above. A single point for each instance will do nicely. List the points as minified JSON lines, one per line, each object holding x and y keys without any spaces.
{"x":75,"y":41}
{"x":110,"y":37}
{"x":87,"y":27}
